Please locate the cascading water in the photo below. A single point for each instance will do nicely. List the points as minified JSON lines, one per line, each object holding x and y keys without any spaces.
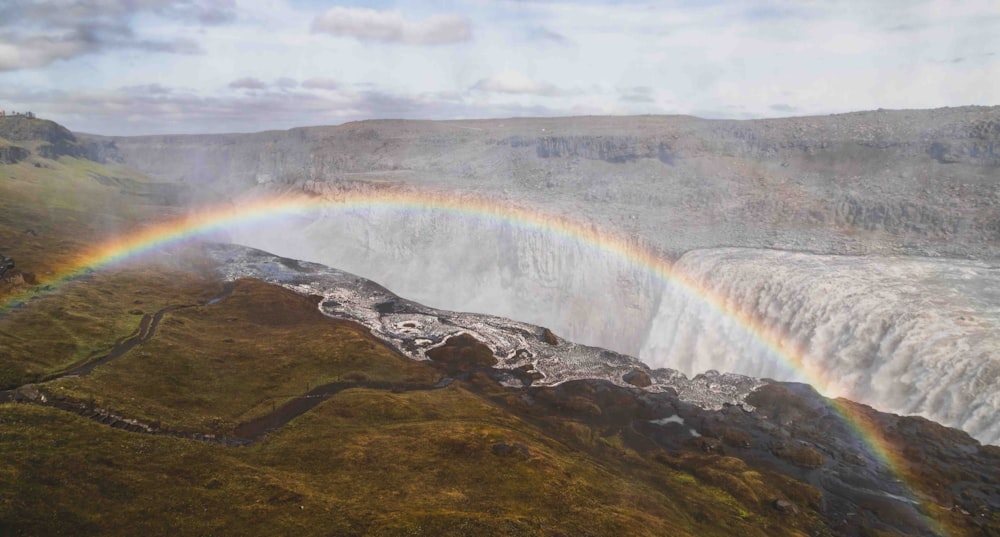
{"x":914,"y":336}
{"x":460,"y":263}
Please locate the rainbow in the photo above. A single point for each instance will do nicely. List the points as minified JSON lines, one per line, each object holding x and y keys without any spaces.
{"x":208,"y":221}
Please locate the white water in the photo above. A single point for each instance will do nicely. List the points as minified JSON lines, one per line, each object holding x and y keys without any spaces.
{"x":911,"y":336}
{"x":465,"y":264}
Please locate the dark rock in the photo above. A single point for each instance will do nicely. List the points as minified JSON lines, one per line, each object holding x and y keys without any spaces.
{"x":462,"y":353}
{"x":549,"y":337}
{"x":13,"y":154}
{"x":637,"y":378}
{"x":709,"y":445}
{"x":616,"y":149}
{"x":785,"y":506}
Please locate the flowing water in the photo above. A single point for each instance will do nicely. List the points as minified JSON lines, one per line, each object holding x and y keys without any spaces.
{"x":906,"y":335}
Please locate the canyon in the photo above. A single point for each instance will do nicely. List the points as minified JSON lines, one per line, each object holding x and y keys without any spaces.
{"x":867,"y":241}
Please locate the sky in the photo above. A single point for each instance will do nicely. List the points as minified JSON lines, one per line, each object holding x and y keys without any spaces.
{"x":128,"y":67}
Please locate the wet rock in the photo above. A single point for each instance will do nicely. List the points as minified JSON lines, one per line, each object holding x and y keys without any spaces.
{"x":462,"y":353}
{"x":637,"y":378}
{"x":549,"y":337}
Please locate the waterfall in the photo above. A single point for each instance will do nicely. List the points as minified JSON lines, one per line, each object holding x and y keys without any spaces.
{"x":911,"y":336}
{"x":906,"y":335}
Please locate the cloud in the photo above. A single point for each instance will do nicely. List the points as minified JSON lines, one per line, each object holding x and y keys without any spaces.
{"x":252,"y":83}
{"x":36,"y":51}
{"x":321,"y":84}
{"x":65,"y":13}
{"x":784,"y":108}
{"x":391,"y":27}
{"x":205,"y":12}
{"x":513,"y":82}
{"x":148,"y":89}
{"x":540,"y":33}
{"x":37,"y":33}
{"x":248,"y":83}
{"x":638,"y":94}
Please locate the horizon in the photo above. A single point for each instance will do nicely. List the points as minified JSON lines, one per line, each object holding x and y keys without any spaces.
{"x":525,"y":118}
{"x":118,"y":68}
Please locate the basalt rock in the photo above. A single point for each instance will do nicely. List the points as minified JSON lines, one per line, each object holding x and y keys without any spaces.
{"x":12,"y":154}
{"x":638,"y":378}
{"x":791,"y":183}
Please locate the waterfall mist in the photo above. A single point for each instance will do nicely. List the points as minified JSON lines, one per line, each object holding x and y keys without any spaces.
{"x":907,"y":335}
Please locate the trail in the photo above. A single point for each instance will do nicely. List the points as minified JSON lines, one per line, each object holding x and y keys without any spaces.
{"x":143,"y":333}
{"x":258,"y":427}
{"x":245,"y":434}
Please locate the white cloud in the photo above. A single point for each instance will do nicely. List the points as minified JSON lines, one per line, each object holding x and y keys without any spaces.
{"x":37,"y":52}
{"x":36,"y":33}
{"x":321,"y":83}
{"x":249,"y":83}
{"x":391,"y":27}
{"x":509,"y":81}
{"x":723,"y":59}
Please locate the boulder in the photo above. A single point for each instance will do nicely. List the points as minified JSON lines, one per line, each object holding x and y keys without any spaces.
{"x":638,"y":378}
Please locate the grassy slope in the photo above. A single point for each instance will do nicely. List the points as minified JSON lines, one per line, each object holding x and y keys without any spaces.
{"x":365,"y":461}
{"x":211,"y":367}
{"x":50,"y":214}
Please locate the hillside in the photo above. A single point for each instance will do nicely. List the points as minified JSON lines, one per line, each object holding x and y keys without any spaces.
{"x":41,"y":137}
{"x":169,"y":392}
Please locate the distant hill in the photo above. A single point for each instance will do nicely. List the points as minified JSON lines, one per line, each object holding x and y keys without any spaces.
{"x":23,"y":136}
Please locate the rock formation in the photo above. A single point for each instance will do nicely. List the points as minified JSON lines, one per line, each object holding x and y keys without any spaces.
{"x":912,"y":182}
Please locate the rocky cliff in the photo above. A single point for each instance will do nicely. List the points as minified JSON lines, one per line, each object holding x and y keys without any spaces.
{"x":47,"y":139}
{"x":911,"y":182}
{"x":9,"y":154}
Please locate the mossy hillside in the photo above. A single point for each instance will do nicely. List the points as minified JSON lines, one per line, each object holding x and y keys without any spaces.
{"x":65,"y":475}
{"x":52,"y":211}
{"x":451,"y":436}
{"x":50,"y":216}
{"x":83,"y":318}
{"x":413,"y":471}
{"x":212,"y":367}
{"x":364,"y":462}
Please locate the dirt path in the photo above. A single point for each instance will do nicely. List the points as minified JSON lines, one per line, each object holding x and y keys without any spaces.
{"x":258,"y":427}
{"x":144,"y":332}
{"x":245,"y":433}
